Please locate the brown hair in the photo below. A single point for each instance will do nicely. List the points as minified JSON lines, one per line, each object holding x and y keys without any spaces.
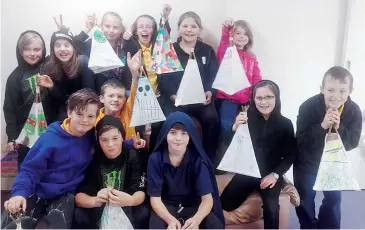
{"x":134,"y":26}
{"x":107,"y":128}
{"x":244,"y":24}
{"x":26,"y":39}
{"x":339,"y":73}
{"x":111,"y":13}
{"x":190,"y":14}
{"x":178,"y":126}
{"x":79,"y":100}
{"x":111,"y":83}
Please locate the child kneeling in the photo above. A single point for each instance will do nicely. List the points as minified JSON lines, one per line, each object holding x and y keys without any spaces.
{"x":114,"y":161}
{"x":181,"y":181}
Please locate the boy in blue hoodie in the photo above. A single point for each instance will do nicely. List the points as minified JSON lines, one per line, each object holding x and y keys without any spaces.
{"x":54,"y":166}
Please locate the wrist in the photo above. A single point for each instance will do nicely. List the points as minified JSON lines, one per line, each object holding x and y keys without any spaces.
{"x":275,"y":175}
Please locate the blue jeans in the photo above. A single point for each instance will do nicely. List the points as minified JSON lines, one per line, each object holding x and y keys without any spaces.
{"x":228,"y":112}
{"x":329,"y":216}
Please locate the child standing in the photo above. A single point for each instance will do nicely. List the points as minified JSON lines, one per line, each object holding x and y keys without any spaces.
{"x":332,"y":107}
{"x":190,"y":26}
{"x":20,"y":90}
{"x":54,"y":166}
{"x":243,"y":40}
{"x":112,"y":157}
{"x":65,"y":71}
{"x":273,"y":141}
{"x":181,"y":180}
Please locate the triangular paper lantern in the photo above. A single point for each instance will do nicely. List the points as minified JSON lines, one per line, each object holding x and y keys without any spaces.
{"x":164,"y":58}
{"x":35,"y":124}
{"x":191,"y":90}
{"x":102,"y":56}
{"x":113,"y":217}
{"x":146,"y":109}
{"x":335,"y":172}
{"x":231,"y":76}
{"x":240,"y":156}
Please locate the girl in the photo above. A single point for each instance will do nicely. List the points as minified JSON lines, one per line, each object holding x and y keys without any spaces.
{"x":65,"y":71}
{"x":113,"y":29}
{"x":143,"y":37}
{"x":189,"y":28}
{"x":242,"y":39}
{"x":273,"y":141}
{"x":112,"y":157}
{"x":20,"y":89}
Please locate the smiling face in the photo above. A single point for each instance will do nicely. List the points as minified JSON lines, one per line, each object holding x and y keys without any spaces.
{"x":189,"y":30}
{"x":265,"y":100}
{"x":82,"y":121}
{"x":112,"y":28}
{"x":177,"y":139}
{"x":111,"y":142}
{"x":240,"y":38}
{"x":32,"y":52}
{"x":63,"y":50}
{"x":335,"y":91}
{"x":145,"y":28}
{"x":113,"y":100}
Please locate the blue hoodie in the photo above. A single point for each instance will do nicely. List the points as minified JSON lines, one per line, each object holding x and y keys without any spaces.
{"x":55,"y":165}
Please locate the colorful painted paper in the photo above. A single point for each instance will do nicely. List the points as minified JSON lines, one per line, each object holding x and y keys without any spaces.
{"x":335,"y":172}
{"x":102,"y":56}
{"x":164,"y":58}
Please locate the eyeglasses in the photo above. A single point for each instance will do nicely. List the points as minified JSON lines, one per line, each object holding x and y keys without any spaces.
{"x":267,"y":98}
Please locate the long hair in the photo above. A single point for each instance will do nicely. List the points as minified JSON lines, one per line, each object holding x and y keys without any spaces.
{"x":195,"y":17}
{"x":244,"y":24}
{"x":134,"y":26}
{"x":111,"y":13}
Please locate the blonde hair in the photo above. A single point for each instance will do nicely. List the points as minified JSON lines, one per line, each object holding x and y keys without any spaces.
{"x":111,"y":13}
{"x":193,"y":15}
{"x":27,"y":38}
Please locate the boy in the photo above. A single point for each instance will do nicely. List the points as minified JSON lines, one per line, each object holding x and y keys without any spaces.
{"x":55,"y":165}
{"x":115,"y":102}
{"x":332,"y":107}
{"x":181,"y":181}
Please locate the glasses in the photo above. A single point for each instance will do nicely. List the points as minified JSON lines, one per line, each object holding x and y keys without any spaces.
{"x":267,"y":98}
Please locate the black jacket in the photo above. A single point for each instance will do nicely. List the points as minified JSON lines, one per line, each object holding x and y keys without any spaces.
{"x":311,"y":136}
{"x":208,"y":67}
{"x":20,"y":95}
{"x":273,"y":139}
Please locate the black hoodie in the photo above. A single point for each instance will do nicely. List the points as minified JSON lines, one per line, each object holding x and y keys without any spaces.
{"x":273,"y":139}
{"x":20,"y":94}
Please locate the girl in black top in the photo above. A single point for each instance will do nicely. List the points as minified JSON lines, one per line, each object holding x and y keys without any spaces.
{"x":112,"y":160}
{"x":273,"y":141}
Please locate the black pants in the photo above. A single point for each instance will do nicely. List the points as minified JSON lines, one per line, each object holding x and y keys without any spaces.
{"x":58,"y":213}
{"x":210,"y":222}
{"x":241,"y":187}
{"x":208,"y":117}
{"x":22,"y":151}
{"x":89,"y":218}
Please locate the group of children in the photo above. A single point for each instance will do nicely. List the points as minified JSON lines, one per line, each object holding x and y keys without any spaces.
{"x":169,"y":183}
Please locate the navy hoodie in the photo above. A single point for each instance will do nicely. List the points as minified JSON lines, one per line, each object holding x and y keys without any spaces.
{"x":20,"y":94}
{"x":208,"y":66}
{"x":55,"y":165}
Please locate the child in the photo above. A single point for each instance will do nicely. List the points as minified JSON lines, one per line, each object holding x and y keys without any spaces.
{"x":273,"y":141}
{"x":143,"y":37}
{"x":113,"y":29}
{"x":180,"y":179}
{"x":189,"y":28}
{"x":20,"y":90}
{"x":55,"y":165}
{"x":332,"y":107}
{"x":111,"y":156}
{"x":65,"y":71}
{"x":114,"y":99}
{"x":242,"y":39}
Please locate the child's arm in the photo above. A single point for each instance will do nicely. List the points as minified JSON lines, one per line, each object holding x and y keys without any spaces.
{"x":256,"y":75}
{"x":224,"y":43}
{"x":289,"y":144}
{"x":138,"y":184}
{"x":204,"y":209}
{"x":88,"y":77}
{"x":166,"y":83}
{"x":82,"y":43}
{"x":33,"y":167}
{"x":350,"y":135}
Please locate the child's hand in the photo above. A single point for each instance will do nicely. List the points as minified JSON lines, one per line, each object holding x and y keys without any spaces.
{"x":173,"y":98}
{"x":174,"y":224}
{"x":269,"y":180}
{"x":328,"y":119}
{"x":139,"y":143}
{"x":208,"y":97}
{"x":191,"y":223}
{"x":119,"y":198}
{"x":228,"y":23}
{"x":10,"y":147}
{"x":91,"y":21}
{"x":336,"y":118}
{"x":45,"y":81}
{"x":59,"y":24}
{"x":101,"y":198}
{"x":166,"y":10}
{"x":127,"y":34}
{"x":240,"y":119}
{"x":16,"y":204}
{"x":135,"y":63}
